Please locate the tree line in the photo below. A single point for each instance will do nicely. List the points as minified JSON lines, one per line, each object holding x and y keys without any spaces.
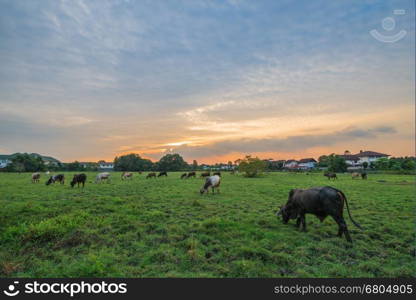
{"x":251,"y":166}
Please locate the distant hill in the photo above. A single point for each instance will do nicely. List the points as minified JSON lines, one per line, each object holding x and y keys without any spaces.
{"x":46,"y":159}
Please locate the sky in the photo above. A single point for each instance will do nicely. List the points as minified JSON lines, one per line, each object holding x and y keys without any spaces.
{"x":210,"y":80}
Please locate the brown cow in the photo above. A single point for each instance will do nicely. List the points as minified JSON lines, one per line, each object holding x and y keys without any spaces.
{"x":150,"y":175}
{"x":35,"y":177}
{"x":126,"y":175}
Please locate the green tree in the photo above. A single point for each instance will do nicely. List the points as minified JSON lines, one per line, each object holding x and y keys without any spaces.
{"x":75,"y":166}
{"x":172,"y":162}
{"x":323,"y":161}
{"x":252,"y":166}
{"x":382,"y":164}
{"x":23,"y":162}
{"x":408,"y":164}
{"x":132,"y":162}
{"x":336,"y":163}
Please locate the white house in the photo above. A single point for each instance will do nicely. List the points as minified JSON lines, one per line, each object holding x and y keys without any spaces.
{"x":370,"y":156}
{"x":4,"y":161}
{"x":351,"y":160}
{"x":105,"y":166}
{"x":291,"y":164}
{"x":307,"y":163}
{"x":355,"y":161}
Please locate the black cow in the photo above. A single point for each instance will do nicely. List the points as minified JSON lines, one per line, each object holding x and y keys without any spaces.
{"x":331,"y":175}
{"x":60,"y":178}
{"x":162,"y":174}
{"x":363,"y":175}
{"x":184,"y":175}
{"x":206,"y":174}
{"x":319,"y":201}
{"x":191,"y":174}
{"x":79,"y":178}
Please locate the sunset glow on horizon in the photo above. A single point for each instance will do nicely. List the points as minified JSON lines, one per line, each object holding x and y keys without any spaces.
{"x":212,"y":81}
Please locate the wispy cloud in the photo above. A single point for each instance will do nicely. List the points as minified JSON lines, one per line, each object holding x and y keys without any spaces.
{"x":144,"y":76}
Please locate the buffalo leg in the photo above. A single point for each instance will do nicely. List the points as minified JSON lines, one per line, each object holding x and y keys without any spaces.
{"x":342,"y":228}
{"x":298,"y":222}
{"x":302,"y":218}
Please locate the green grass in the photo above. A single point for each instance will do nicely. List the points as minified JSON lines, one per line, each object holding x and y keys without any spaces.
{"x":164,"y":228}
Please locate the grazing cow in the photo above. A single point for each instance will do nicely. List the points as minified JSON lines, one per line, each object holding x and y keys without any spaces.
{"x":102,"y":176}
{"x":363,"y":175}
{"x":191,"y":174}
{"x":331,"y":175}
{"x":183,"y":175}
{"x":355,"y":175}
{"x":140,"y":172}
{"x":150,"y":175}
{"x":60,"y":178}
{"x":35,"y":177}
{"x":217,"y":173}
{"x":319,"y":201}
{"x":162,"y":174}
{"x":126,"y":175}
{"x":213,"y":182}
{"x":79,"y":178}
{"x":206,"y":174}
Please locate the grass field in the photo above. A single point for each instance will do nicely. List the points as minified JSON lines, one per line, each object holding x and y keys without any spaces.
{"x":164,"y":228}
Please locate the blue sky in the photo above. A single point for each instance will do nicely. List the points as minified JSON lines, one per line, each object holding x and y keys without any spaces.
{"x":211,"y":80}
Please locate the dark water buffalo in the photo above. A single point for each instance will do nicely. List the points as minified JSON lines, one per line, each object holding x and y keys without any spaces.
{"x":162,"y":174}
{"x":184,"y":175}
{"x":60,"y":178}
{"x":331,"y":175}
{"x":206,"y":174}
{"x":79,"y":178}
{"x":191,"y":174}
{"x":363,"y":175}
{"x":319,"y":201}
{"x":150,"y":175}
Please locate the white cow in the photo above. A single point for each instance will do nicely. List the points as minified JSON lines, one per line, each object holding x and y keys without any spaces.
{"x":102,"y":176}
{"x":213,"y":182}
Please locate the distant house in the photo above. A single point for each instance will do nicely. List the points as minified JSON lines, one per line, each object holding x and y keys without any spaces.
{"x":291,"y":164}
{"x":370,"y":156}
{"x":307,"y":163}
{"x":275,"y":164}
{"x":355,"y":161}
{"x":351,"y":160}
{"x":105,"y":166}
{"x":4,"y":160}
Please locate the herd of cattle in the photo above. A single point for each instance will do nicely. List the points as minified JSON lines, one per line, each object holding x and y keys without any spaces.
{"x":319,"y":201}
